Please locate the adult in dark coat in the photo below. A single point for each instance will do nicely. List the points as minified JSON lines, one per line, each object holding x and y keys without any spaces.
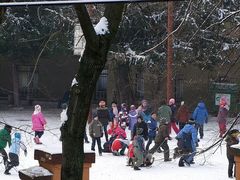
{"x":103,"y":116}
{"x":231,"y":139}
{"x":161,"y":140}
{"x":182,"y":115}
{"x":141,"y":124}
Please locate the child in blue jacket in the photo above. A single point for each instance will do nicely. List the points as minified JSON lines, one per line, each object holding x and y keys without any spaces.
{"x":200,"y":115}
{"x":14,"y":152}
{"x":152,"y":129}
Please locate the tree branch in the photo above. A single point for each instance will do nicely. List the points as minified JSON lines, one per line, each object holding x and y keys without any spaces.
{"x":224,"y":19}
{"x":112,"y":12}
{"x":86,"y":24}
{"x":173,"y":32}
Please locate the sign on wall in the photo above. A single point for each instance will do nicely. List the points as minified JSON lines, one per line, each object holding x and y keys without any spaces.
{"x":218,"y":96}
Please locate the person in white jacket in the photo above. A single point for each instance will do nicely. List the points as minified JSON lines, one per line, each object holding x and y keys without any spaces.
{"x":14,"y":152}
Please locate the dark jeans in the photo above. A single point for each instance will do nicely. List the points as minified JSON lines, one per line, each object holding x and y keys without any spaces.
{"x":200,"y":128}
{"x":38,"y":134}
{"x":163,"y":145}
{"x":150,"y":139}
{"x":14,"y":161}
{"x":105,"y":131}
{"x":98,"y":139}
{"x":4,"y":155}
{"x":189,"y":157}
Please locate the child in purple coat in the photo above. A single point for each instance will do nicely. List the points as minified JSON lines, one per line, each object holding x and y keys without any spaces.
{"x":133,"y":114}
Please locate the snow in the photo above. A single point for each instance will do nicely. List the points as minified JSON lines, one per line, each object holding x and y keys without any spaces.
{"x":210,"y":165}
{"x":74,"y":82}
{"x":102,"y":27}
{"x":36,"y":171}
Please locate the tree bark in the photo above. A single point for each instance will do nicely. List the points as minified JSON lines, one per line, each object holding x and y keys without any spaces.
{"x":90,"y":67}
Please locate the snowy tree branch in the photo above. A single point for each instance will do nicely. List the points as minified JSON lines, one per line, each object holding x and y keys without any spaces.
{"x":205,"y":20}
{"x":224,"y":19}
{"x":173,"y":32}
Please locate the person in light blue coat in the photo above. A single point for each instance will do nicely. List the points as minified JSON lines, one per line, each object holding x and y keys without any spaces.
{"x":200,"y":115}
{"x":14,"y":152}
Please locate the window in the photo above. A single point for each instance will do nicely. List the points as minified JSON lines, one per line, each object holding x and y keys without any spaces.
{"x":27,"y":86}
{"x":101,"y":87}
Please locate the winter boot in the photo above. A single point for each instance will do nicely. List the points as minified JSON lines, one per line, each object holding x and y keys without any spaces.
{"x":181,"y":163}
{"x":168,"y":159}
{"x":159,"y":150}
{"x":7,"y":172}
{"x":130,"y":162}
{"x":186,"y":162}
{"x":136,"y":168}
{"x":36,"y":140}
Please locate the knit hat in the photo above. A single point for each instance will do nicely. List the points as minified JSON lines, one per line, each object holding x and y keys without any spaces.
{"x":8,"y":127}
{"x":191,"y":121}
{"x":234,"y":132}
{"x":102,"y":103}
{"x":171,"y":101}
{"x":17,"y":135}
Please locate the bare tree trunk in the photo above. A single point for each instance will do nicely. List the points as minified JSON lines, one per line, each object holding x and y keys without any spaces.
{"x":90,"y":67}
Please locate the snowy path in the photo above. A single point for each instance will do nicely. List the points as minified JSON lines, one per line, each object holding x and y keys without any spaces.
{"x":108,"y":167}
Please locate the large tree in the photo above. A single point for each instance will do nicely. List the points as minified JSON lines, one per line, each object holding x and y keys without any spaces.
{"x":91,"y":65}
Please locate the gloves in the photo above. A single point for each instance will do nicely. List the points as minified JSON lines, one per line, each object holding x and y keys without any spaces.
{"x":25,"y":152}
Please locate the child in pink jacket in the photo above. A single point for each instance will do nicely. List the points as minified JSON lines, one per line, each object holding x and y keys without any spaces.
{"x":38,"y":123}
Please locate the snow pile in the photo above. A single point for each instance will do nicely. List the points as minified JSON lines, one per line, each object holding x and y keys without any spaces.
{"x":74,"y":82}
{"x":102,"y":27}
{"x":36,"y":171}
{"x":63,"y":116}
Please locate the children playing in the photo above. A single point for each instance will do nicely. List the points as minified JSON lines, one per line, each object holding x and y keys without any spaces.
{"x":14,"y":152}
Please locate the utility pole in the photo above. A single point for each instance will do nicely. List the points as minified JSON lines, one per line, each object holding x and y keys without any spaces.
{"x":170,"y":51}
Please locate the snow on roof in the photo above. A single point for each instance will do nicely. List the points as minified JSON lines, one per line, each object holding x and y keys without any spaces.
{"x":102,"y":26}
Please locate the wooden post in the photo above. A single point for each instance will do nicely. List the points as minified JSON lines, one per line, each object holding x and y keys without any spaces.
{"x":236,"y":152}
{"x":53,"y":163}
{"x":237,"y":161}
{"x":170,"y":51}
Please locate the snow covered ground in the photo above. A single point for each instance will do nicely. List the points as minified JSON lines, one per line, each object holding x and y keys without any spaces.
{"x":211,"y":165}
